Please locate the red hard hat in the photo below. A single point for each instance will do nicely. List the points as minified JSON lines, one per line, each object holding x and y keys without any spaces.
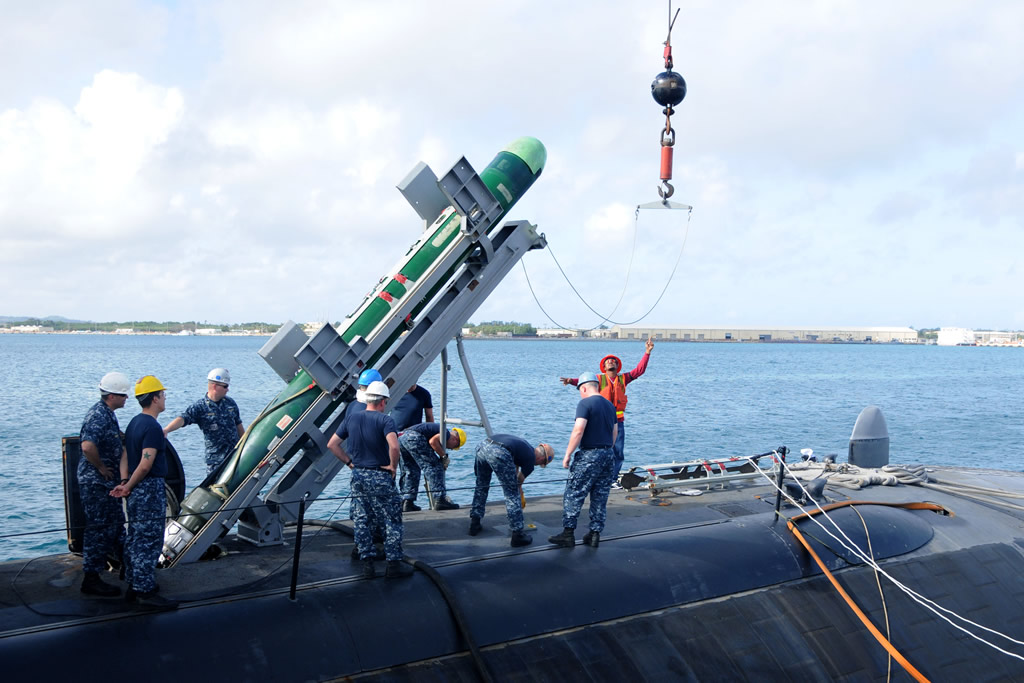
{"x":617,"y":360}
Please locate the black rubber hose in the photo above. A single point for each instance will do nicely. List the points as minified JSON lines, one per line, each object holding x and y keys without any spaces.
{"x":446,"y":593}
{"x":337,"y":526}
{"x":460,"y":619}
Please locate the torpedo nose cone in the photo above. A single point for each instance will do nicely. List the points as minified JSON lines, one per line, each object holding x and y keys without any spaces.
{"x":514,"y":170}
{"x":531,"y":151}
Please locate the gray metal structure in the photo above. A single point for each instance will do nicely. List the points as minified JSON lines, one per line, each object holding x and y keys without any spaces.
{"x":402,"y":344}
{"x":869,"y":441}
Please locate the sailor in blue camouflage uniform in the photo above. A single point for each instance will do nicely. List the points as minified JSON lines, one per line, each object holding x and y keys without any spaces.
{"x":218,"y":417}
{"x":512,"y":459}
{"x":593,"y":469}
{"x":357,"y":406}
{"x":98,"y":472}
{"x":146,"y":460}
{"x":371,"y":441}
{"x":421,"y":450}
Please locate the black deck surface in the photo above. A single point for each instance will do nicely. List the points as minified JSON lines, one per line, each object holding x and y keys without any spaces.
{"x":700,"y":588}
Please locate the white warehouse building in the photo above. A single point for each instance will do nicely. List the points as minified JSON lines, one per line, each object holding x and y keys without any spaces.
{"x":904,"y":335}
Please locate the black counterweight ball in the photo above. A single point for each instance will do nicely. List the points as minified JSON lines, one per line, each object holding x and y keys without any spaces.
{"x":668,"y":88}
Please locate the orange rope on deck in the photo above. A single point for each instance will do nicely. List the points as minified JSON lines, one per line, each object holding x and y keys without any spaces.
{"x":791,"y":525}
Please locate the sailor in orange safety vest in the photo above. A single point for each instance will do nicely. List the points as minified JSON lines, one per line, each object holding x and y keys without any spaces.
{"x":612,"y":385}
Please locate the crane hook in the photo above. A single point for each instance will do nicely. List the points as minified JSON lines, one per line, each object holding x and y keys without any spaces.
{"x":665,"y":191}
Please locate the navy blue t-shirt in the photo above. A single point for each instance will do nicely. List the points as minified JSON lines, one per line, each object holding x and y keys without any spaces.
{"x":366,"y":435}
{"x":600,"y":415}
{"x":408,"y":410}
{"x":354,"y":407}
{"x":145,"y":432}
{"x":428,"y":429}
{"x":521,"y":450}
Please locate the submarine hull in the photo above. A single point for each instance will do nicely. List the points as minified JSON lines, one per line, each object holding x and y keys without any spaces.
{"x":706,"y":588}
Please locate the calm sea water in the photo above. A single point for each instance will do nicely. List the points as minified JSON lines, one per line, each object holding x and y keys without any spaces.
{"x":943,"y":405}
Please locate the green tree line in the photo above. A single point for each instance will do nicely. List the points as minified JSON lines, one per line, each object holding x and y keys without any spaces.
{"x":171,"y":327}
{"x":498,"y":326}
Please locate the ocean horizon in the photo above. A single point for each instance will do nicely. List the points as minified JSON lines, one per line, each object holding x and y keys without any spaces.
{"x":943,"y":405}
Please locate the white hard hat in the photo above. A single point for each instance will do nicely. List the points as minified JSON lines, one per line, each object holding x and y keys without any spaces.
{"x":115,"y":383}
{"x":378,"y":389}
{"x":220,"y":376}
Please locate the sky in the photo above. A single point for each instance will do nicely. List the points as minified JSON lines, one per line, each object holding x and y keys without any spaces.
{"x":848,"y":163}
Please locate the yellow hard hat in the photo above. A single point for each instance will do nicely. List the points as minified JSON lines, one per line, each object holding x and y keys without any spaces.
{"x":462,"y":437}
{"x":147,"y":385}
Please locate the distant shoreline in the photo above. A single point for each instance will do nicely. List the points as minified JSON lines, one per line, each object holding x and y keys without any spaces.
{"x":546,"y":338}
{"x":267,"y":335}
{"x":136,"y":334}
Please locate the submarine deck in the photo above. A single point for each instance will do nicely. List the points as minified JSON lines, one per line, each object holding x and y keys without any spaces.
{"x":677,"y":551}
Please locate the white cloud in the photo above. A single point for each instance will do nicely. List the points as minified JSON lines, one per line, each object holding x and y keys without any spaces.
{"x":823,"y":146}
{"x":77,"y":172}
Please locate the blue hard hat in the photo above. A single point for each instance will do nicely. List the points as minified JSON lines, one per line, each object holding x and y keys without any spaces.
{"x":586,"y":377}
{"x":369,"y":375}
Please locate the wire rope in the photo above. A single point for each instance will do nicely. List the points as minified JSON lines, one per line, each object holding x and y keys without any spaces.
{"x":878,"y":582}
{"x":917,"y":597}
{"x":603,"y":318}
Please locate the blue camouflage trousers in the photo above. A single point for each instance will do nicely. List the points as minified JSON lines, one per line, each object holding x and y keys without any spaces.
{"x":147,"y":505}
{"x":589,"y":474}
{"x":417,"y":456}
{"x":620,"y":450}
{"x":493,"y":457}
{"x":378,"y":500}
{"x":104,"y":519}
{"x":213,"y":462}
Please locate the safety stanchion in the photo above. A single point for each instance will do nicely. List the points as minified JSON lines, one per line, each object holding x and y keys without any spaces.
{"x":298,"y":547}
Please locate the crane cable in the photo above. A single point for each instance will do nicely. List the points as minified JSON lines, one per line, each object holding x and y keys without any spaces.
{"x":608,"y":319}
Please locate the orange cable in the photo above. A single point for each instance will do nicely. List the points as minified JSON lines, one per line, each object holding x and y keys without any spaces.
{"x":849,"y":601}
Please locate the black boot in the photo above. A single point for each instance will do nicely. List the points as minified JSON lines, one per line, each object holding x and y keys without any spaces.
{"x":410,"y":506}
{"x":566,"y":539}
{"x":92,"y":584}
{"x":475,"y":526}
{"x":445,"y":503}
{"x":593,"y":539}
{"x":368,"y":571}
{"x":153,"y":599}
{"x":398,"y":570}
{"x":520,"y":539}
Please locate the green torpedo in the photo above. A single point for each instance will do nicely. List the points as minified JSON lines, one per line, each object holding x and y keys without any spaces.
{"x":508,"y":177}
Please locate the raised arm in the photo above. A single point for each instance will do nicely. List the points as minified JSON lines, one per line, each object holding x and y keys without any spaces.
{"x":641,"y":367}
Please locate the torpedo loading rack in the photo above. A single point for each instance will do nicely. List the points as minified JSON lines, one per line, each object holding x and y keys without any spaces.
{"x":402,"y":325}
